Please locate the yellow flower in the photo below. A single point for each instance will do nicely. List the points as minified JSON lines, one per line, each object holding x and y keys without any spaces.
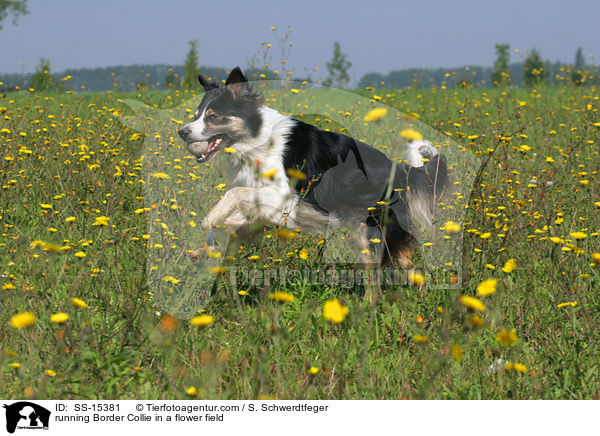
{"x":456,"y":352}
{"x":242,"y":293}
{"x":485,"y":235}
{"x":217,"y":269}
{"x":70,"y":219}
{"x":79,"y":303}
{"x":519,"y":367}
{"x":578,"y":235}
{"x":285,"y":234}
{"x":59,"y":317}
{"x":376,"y":114}
{"x":15,"y":364}
{"x":509,"y":266}
{"x":50,"y":373}
{"x":270,"y":174}
{"x":476,"y":321}
{"x":254,"y":257}
{"x":53,"y":248}
{"x":507,"y":338}
{"x":22,"y":320}
{"x":229,"y":150}
{"x":334,"y":311}
{"x":171,"y":279}
{"x":451,"y":227}
{"x":569,"y":303}
{"x":472,"y":303}
{"x":101,"y":221}
{"x":487,"y":287}
{"x":596,"y":257}
{"x":80,"y":254}
{"x":192,"y":223}
{"x":313,"y":370}
{"x":411,"y":135}
{"x":420,"y":339}
{"x":303,"y":254}
{"x":202,"y":320}
{"x":557,"y":240}
{"x":8,"y":287}
{"x":160,"y":175}
{"x":295,"y":174}
{"x":416,"y":278}
{"x":37,"y":243}
{"x":282,"y":297}
{"x":192,"y":391}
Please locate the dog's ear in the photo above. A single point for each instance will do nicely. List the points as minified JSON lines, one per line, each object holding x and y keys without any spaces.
{"x":236,"y":82}
{"x":204,"y":82}
{"x":236,"y":76}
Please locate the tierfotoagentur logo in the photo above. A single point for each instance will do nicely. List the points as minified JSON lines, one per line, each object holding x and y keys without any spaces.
{"x":25,"y":415}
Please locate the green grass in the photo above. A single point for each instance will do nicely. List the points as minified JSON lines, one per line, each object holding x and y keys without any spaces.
{"x":257,"y":347}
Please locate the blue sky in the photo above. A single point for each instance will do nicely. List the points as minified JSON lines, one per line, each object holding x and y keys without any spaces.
{"x":377,"y":36}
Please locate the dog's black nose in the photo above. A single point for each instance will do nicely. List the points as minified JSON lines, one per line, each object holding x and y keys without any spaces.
{"x":184,"y":132}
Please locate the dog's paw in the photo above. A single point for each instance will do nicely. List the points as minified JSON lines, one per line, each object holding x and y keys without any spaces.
{"x":206,"y":224}
{"x":196,"y":255}
{"x":210,"y":251}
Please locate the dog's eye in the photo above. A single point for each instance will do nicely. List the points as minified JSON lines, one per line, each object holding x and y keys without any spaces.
{"x":211,"y":117}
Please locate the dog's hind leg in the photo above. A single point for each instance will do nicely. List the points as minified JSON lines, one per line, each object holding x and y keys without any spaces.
{"x":403,"y":257}
{"x":399,"y":245}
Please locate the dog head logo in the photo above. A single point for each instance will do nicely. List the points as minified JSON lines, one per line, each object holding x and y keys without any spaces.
{"x":26,"y":415}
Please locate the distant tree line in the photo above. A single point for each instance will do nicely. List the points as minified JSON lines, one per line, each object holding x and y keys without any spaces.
{"x":531,"y":72}
{"x":121,"y":78}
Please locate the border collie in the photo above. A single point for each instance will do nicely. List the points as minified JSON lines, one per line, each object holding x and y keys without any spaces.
{"x":285,"y":172}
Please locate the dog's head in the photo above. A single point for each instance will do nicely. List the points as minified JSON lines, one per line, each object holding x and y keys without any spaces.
{"x":226,"y":115}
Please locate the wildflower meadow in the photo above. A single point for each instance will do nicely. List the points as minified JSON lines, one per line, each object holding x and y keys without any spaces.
{"x":101,"y":299}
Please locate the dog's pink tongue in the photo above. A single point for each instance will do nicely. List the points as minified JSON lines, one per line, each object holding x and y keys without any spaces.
{"x":211,"y":145}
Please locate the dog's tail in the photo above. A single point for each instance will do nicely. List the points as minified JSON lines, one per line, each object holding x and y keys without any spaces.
{"x":426,"y":179}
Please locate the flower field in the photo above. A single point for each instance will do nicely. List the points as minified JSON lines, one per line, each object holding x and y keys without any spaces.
{"x":83,"y":284}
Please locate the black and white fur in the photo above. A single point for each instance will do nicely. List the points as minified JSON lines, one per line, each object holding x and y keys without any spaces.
{"x":348,"y":183}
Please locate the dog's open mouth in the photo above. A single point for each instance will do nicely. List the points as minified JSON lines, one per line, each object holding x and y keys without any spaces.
{"x":215,"y":144}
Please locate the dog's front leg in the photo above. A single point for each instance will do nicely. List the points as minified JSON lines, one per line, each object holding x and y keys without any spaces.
{"x":243,"y":205}
{"x":228,"y":206}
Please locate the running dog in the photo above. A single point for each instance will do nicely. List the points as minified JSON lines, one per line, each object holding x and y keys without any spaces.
{"x":285,"y":172}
